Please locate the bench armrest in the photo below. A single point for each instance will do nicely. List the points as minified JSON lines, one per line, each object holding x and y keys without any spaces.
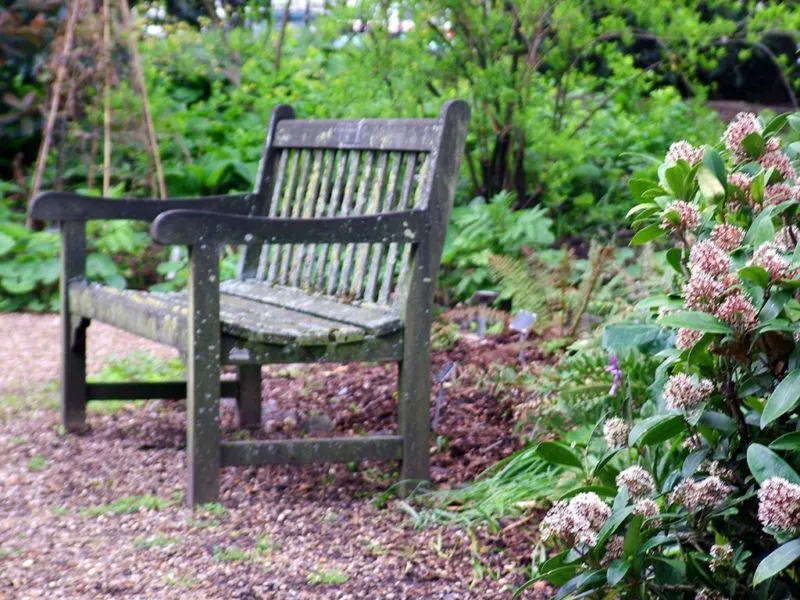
{"x":189,"y":227}
{"x":63,"y":206}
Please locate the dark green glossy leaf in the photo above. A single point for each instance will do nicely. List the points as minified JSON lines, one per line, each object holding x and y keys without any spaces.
{"x":764,"y":463}
{"x":714,"y":162}
{"x":558,"y":454}
{"x":616,"y":571}
{"x":647,"y":234}
{"x":788,"y":442}
{"x":756,"y":274}
{"x":783,"y":399}
{"x":777,"y":561}
{"x":698,"y":321}
{"x":655,"y":430}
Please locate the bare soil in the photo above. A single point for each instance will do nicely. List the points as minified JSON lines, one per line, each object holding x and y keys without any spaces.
{"x":100,"y":515}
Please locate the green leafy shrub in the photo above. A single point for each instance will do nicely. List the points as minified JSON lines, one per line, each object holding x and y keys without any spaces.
{"x":703,"y":480}
{"x":482,"y":229}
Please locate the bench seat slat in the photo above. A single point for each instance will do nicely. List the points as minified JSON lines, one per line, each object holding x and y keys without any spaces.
{"x":377,"y":320}
{"x":162,"y":317}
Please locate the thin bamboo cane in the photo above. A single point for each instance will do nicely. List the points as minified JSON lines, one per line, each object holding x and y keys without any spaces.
{"x":106,"y":99}
{"x":47,"y":137}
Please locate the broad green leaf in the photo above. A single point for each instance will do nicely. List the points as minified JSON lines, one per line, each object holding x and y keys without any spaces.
{"x":612,"y":524}
{"x":560,"y":575}
{"x":756,"y":274}
{"x":673,"y":256}
{"x":603,"y":462}
{"x":757,"y":186}
{"x":777,"y":561}
{"x":6,"y":243}
{"x":698,"y":321}
{"x":640,"y":186}
{"x":616,"y":571}
{"x":603,"y":491}
{"x":754,"y":144}
{"x":775,"y":125}
{"x":794,"y":121}
{"x":764,"y":463}
{"x":633,"y":536}
{"x":762,"y":229}
{"x":647,"y":234}
{"x":714,"y":162}
{"x":784,"y":399}
{"x":710,"y":186}
{"x":558,"y":454}
{"x":788,"y":441}
{"x":655,"y":430}
{"x":659,"y":301}
{"x":639,"y":208}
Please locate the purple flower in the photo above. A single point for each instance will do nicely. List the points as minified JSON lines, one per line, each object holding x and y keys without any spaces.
{"x":616,"y":371}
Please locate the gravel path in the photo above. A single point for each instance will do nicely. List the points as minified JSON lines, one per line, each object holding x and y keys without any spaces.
{"x":100,"y":515}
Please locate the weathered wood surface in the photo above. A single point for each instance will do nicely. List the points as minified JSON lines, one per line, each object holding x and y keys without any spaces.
{"x":236,"y":351}
{"x":408,"y":135}
{"x":188,"y":227}
{"x":162,"y":317}
{"x":375,"y":319}
{"x":65,"y":206}
{"x":305,"y":451}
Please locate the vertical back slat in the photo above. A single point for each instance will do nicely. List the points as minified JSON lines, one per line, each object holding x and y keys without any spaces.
{"x":402,"y":204}
{"x":396,"y":161}
{"x":333,"y":203}
{"x":362,"y":252}
{"x":423,"y":173}
{"x":296,"y":203}
{"x":352,"y":181}
{"x":282,"y":211}
{"x":306,"y":212}
{"x":328,"y":158}
{"x":358,"y":208}
{"x":267,"y":249}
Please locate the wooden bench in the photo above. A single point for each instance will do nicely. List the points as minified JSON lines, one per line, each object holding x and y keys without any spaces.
{"x":341,"y":242}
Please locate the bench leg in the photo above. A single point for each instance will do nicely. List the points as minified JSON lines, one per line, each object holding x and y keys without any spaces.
{"x":203,"y":386}
{"x":248,"y":401}
{"x":414,"y":378}
{"x":73,"y":372}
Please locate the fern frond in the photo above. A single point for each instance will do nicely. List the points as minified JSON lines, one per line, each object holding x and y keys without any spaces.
{"x":518,"y":283}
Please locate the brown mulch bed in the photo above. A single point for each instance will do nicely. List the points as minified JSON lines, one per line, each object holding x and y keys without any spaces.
{"x":324,"y":531}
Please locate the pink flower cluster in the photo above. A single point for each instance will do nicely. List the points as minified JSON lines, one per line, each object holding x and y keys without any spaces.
{"x":779,"y":504}
{"x":768,"y":257}
{"x":727,"y":237}
{"x":637,"y":481}
{"x":706,"y":257}
{"x":647,"y":508}
{"x":683,"y":150}
{"x":685,"y":393}
{"x":780,"y":162}
{"x":687,"y":338}
{"x":738,"y":312}
{"x":688,"y":216}
{"x":742,"y":125}
{"x":705,"y":493}
{"x":578,"y":521}
{"x":702,"y":292}
{"x":615,"y":431}
{"x":778,"y":193}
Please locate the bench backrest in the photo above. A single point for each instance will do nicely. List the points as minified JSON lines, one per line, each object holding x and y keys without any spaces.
{"x":354,"y":167}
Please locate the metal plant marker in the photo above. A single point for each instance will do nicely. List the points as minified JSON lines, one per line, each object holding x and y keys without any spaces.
{"x":523,"y":323}
{"x":443,"y":375}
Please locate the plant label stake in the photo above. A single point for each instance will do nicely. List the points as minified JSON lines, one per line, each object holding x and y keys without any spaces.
{"x":523,"y":322}
{"x":483,"y":298}
{"x":442,"y":376}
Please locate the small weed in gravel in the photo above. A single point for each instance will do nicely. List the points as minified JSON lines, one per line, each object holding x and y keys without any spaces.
{"x":126,"y":505}
{"x":9,"y":552}
{"x":327,"y":577}
{"x":265,"y":545}
{"x":37,"y":463}
{"x":202,"y":523}
{"x":159,"y":541}
{"x":230,"y":554}
{"x":180,"y":581}
{"x":215,"y":509}
{"x":60,"y":511}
